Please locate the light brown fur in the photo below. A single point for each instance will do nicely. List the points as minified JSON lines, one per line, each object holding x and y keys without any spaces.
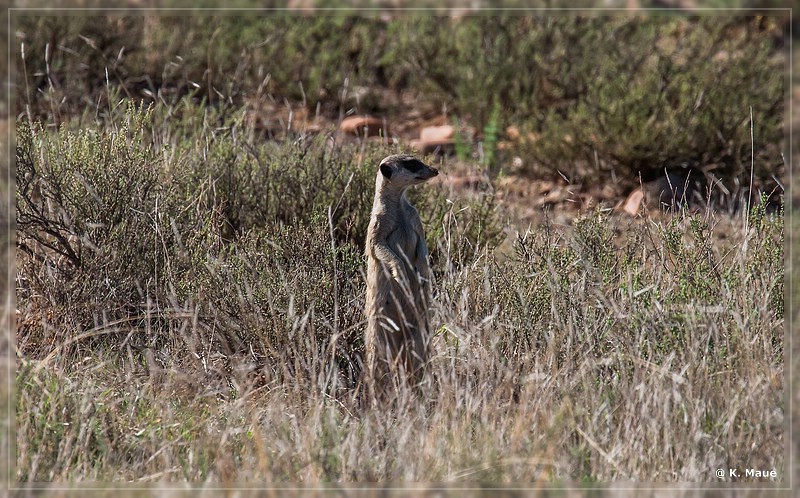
{"x":398,"y":274}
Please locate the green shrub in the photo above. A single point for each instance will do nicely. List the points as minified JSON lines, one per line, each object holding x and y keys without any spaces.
{"x":590,"y":94}
{"x":85,"y":204}
{"x":670,"y":96}
{"x":221,"y":60}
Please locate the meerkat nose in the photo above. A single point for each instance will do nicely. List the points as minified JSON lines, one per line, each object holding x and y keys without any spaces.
{"x":435,"y":171}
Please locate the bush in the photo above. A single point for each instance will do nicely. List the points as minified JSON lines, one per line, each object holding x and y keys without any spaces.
{"x":85,"y":207}
{"x":117,"y":221}
{"x":670,"y":97}
{"x":189,"y":296}
{"x":223,"y":61}
{"x":591,"y":95}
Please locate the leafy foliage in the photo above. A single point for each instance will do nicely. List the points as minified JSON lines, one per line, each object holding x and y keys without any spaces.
{"x":590,"y":94}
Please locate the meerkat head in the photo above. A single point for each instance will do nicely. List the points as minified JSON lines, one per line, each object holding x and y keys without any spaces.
{"x":401,"y":171}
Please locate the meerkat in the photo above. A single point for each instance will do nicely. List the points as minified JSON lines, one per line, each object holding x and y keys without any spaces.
{"x":399,"y":276}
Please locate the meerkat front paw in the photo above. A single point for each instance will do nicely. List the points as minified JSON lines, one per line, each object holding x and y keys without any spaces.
{"x":397,"y":275}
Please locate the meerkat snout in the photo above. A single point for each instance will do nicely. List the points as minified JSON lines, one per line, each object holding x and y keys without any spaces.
{"x":399,"y":277}
{"x":429,"y":173}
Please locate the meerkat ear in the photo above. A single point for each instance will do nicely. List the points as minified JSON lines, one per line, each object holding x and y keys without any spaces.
{"x":386,"y":170}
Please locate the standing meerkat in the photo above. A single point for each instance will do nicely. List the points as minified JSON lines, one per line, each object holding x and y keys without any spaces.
{"x":398,"y":273}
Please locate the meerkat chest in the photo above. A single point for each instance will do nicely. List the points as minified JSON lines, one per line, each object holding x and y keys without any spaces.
{"x":398,"y":226}
{"x":404,"y":239}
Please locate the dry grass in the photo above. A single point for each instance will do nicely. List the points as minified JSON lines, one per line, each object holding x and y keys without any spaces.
{"x":543,"y":372}
{"x":207,"y":328}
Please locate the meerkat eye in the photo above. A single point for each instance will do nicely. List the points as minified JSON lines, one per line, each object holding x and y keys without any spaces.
{"x":386,"y":170}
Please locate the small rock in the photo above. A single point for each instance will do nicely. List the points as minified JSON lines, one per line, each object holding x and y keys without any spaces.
{"x":633,"y":203}
{"x":554,"y":196}
{"x":364,"y":126}
{"x":512,"y":132}
{"x":721,"y":56}
{"x":436,"y":133}
{"x":505,"y":145}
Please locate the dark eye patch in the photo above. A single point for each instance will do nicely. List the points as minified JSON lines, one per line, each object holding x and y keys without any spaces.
{"x":413,"y":165}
